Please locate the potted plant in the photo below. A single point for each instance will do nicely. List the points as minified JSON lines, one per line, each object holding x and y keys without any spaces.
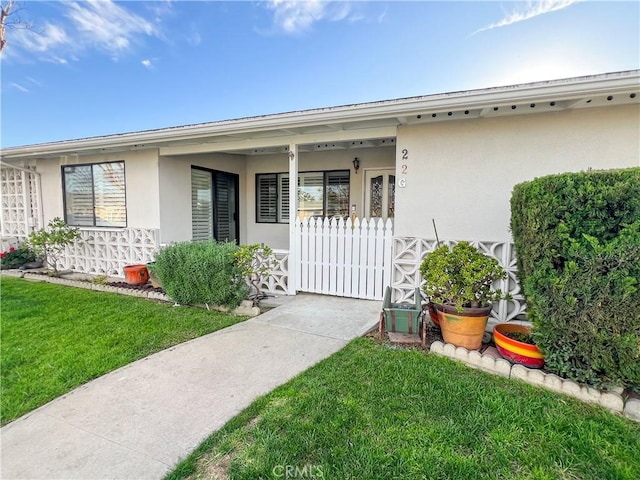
{"x":459,"y":282}
{"x":516,"y":344}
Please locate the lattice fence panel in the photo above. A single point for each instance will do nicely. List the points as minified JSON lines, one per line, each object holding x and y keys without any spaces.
{"x":106,"y":251}
{"x":278,"y":282}
{"x":16,"y":203}
{"x":410,"y":251}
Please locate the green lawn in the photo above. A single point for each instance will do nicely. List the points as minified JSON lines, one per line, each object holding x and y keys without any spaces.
{"x":372,"y":412}
{"x":55,"y":338}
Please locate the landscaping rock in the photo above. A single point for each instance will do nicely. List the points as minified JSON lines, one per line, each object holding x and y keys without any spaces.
{"x":571,"y":388}
{"x":462,"y":354}
{"x":589,"y":394}
{"x":437,"y":347}
{"x":474,"y":359}
{"x":536,"y":377}
{"x":553,"y":382}
{"x":612,"y":401}
{"x":520,"y":372}
{"x":449,"y":350}
{"x":488,"y":363}
{"x":632,"y":409}
{"x":502,"y":367}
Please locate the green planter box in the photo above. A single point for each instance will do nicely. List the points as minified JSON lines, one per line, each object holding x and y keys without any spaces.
{"x":402,"y":317}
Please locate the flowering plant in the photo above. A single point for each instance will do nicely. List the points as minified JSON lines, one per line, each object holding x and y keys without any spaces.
{"x":15,"y":257}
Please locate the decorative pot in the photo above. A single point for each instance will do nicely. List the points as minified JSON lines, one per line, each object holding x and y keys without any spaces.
{"x":433,"y":313}
{"x":136,"y":274}
{"x":463,"y":329}
{"x":513,"y":350}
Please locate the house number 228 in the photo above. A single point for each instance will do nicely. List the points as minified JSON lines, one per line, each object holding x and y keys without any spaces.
{"x":402,"y":182}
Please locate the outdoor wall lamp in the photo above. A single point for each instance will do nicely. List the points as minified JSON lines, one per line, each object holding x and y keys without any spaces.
{"x":356,"y":164}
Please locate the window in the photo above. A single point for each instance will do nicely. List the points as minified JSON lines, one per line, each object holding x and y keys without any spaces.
{"x":94,"y":195}
{"x":320,"y":194}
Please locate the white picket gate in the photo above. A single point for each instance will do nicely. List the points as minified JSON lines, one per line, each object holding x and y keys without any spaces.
{"x":344,"y":258}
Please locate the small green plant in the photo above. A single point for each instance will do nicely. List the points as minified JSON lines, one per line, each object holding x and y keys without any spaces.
{"x":461,"y":276}
{"x":201,"y":272}
{"x":99,"y":280}
{"x":51,"y":241}
{"x":256,"y":263}
{"x":16,"y":257}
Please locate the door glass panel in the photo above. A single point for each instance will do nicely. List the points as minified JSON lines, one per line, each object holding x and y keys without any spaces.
{"x":337,"y":194}
{"x":375,"y":209}
{"x":225,"y":208}
{"x":391,"y":205}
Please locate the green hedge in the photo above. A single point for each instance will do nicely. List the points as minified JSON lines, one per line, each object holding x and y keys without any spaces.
{"x":577,"y":238}
{"x":201,"y":272}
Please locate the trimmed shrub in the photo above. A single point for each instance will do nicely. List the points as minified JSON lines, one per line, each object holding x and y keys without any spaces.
{"x":201,"y":272}
{"x":577,"y":238}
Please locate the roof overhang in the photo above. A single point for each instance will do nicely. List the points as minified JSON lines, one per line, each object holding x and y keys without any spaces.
{"x":374,"y":123}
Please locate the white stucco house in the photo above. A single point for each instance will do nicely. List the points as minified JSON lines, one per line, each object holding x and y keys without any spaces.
{"x":451,"y":158}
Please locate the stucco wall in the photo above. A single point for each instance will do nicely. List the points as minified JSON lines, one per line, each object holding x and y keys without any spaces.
{"x":461,"y":173}
{"x":175,"y":188}
{"x":141,"y":176}
{"x":277,"y":235}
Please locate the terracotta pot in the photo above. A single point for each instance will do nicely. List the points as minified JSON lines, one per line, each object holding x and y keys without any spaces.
{"x":136,"y":274}
{"x":463,"y":329}
{"x":526,"y":354}
{"x":433,"y":313}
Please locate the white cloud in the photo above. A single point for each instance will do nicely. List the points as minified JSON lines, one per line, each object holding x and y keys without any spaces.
{"x":34,"y":81}
{"x":20,"y":87}
{"x":147,"y":63}
{"x":103,"y":25}
{"x":107,"y":25}
{"x":49,"y":38}
{"x":297,"y":16}
{"x":532,"y":9}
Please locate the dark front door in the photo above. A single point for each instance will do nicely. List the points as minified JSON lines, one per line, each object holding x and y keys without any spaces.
{"x":214,"y":205}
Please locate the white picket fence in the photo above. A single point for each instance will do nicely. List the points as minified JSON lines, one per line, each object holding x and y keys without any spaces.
{"x":344,"y":258}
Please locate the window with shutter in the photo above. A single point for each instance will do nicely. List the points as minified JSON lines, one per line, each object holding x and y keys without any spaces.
{"x":283,"y":198}
{"x":267,"y":198}
{"x":201,"y":204}
{"x":319,"y":194}
{"x":95,"y":195}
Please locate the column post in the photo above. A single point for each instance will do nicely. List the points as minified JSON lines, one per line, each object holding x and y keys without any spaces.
{"x":294,"y":260}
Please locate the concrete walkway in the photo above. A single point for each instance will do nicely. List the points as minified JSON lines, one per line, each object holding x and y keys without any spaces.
{"x":141,"y":420}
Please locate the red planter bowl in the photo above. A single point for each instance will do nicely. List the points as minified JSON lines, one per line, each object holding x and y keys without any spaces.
{"x":136,"y":274}
{"x":433,"y":313}
{"x":515,"y":351}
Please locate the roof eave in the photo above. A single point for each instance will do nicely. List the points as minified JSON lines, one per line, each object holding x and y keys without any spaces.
{"x":533,"y":92}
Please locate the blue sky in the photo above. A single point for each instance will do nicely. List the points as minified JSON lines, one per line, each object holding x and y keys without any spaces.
{"x":90,"y":68}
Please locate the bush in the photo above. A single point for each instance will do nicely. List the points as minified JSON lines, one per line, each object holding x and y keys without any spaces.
{"x":50,"y":242}
{"x":16,"y":257}
{"x":201,"y":272}
{"x":577,"y":238}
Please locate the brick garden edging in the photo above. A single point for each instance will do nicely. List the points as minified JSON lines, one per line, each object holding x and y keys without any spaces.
{"x":492,"y":362}
{"x":246,"y":307}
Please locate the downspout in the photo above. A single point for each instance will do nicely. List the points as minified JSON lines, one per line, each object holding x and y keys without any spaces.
{"x":38,"y":188}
